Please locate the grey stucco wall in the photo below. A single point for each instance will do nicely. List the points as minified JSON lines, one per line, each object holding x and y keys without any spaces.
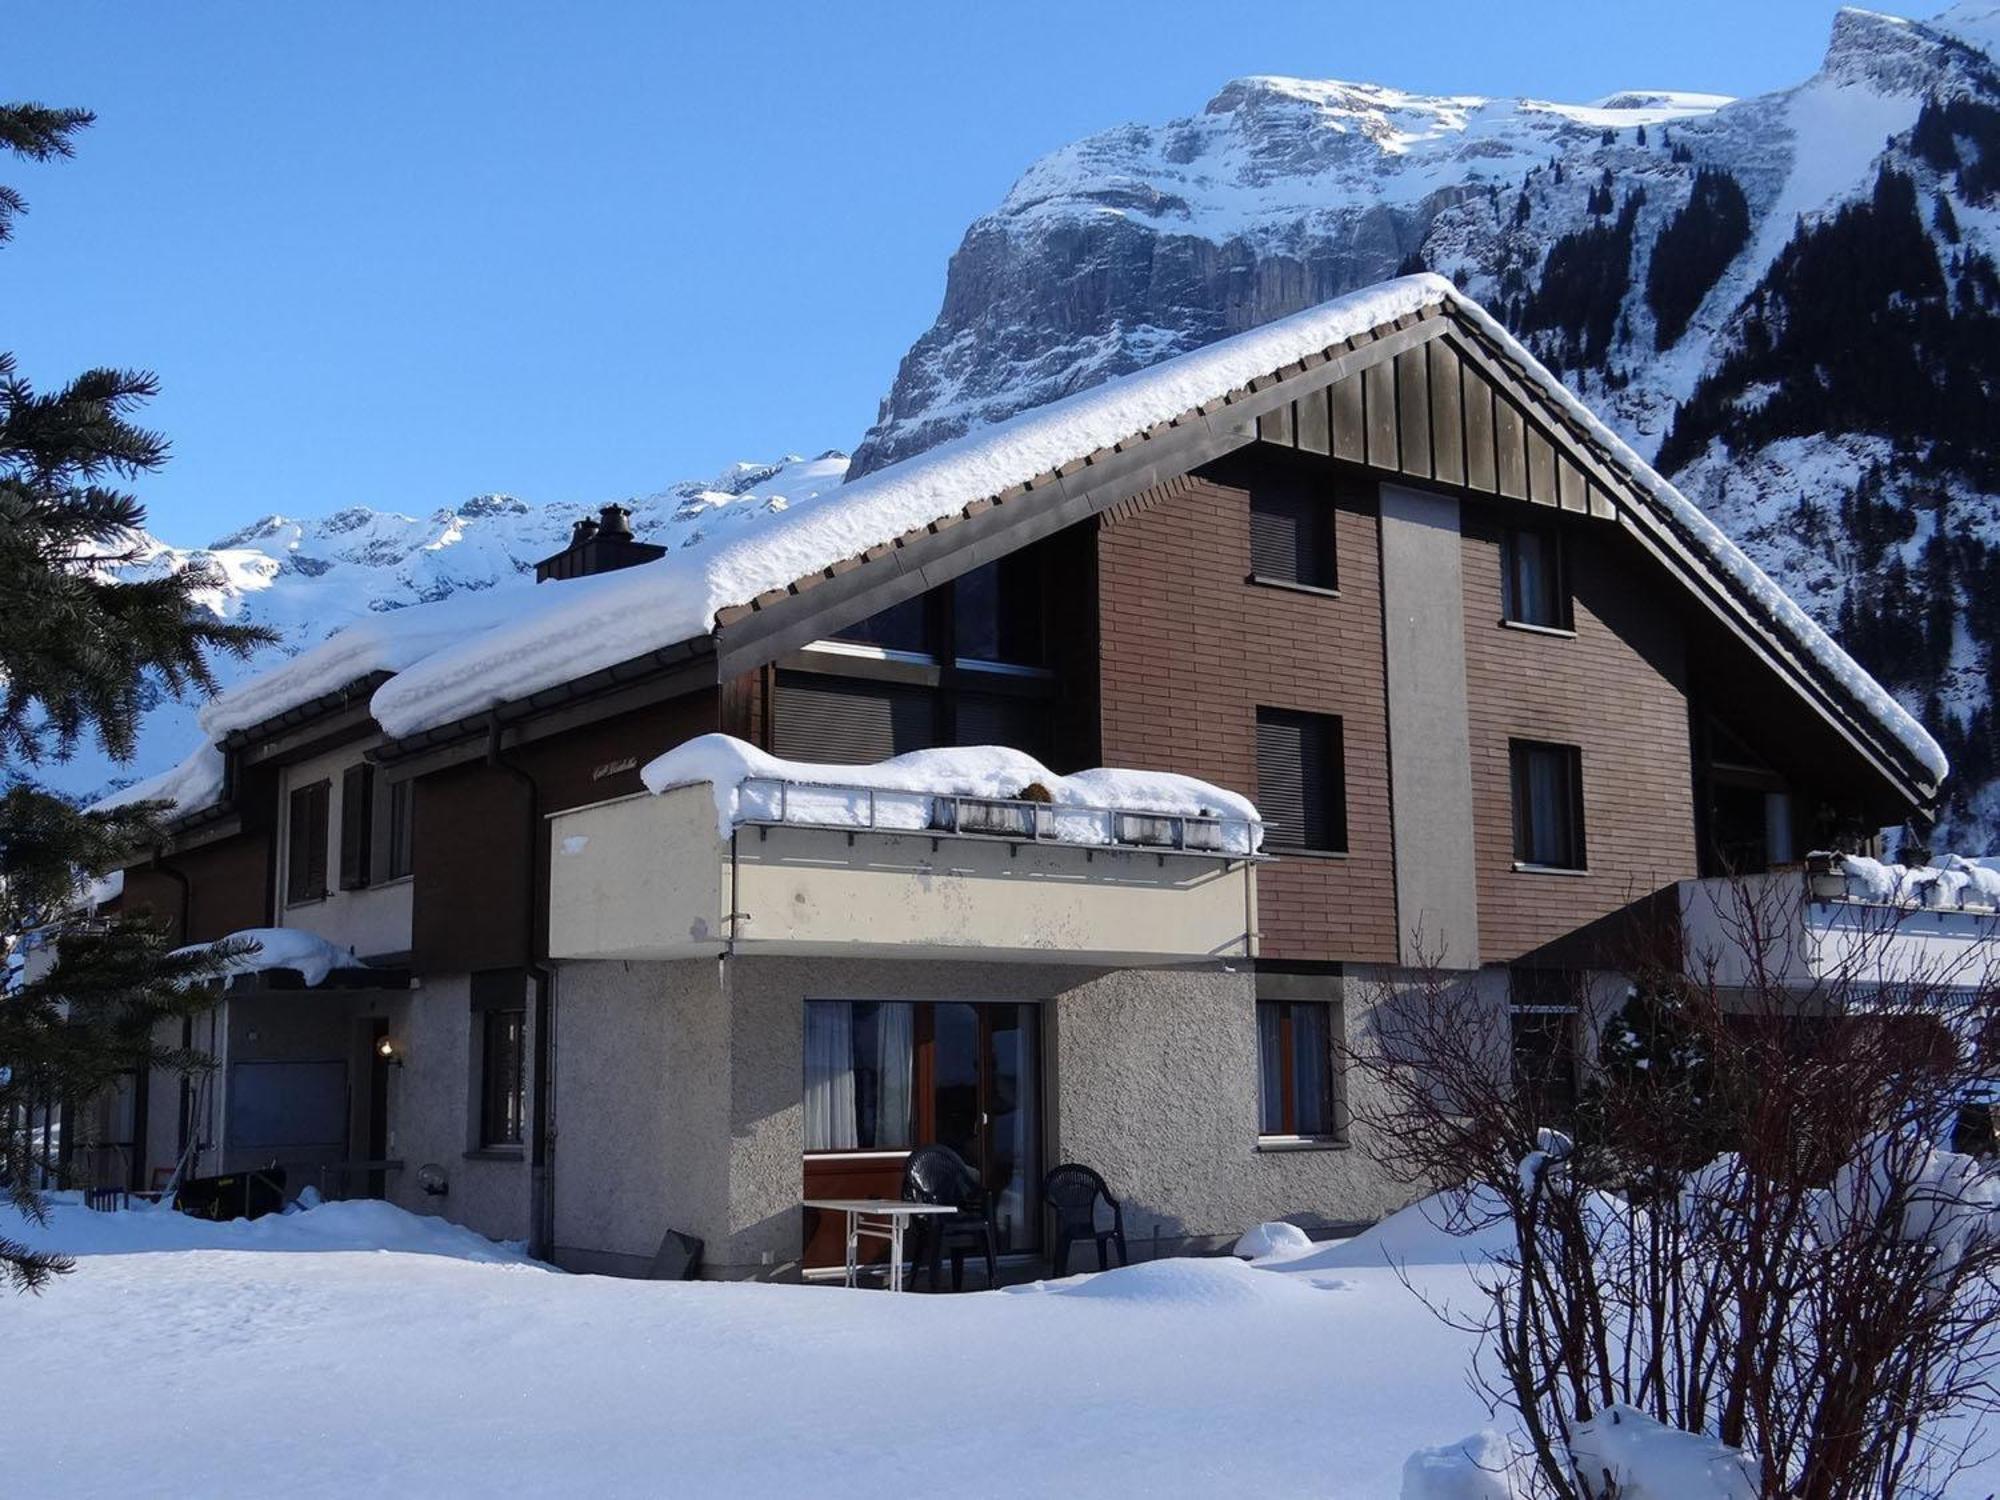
{"x":432,"y":1116}
{"x":1154,"y":1083}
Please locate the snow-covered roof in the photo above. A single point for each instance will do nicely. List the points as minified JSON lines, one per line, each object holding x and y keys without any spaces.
{"x":187,"y":788}
{"x":752,"y":786}
{"x":284,"y":948}
{"x":461,"y":657}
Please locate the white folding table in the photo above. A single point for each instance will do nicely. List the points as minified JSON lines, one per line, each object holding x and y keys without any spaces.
{"x":882,"y":1219}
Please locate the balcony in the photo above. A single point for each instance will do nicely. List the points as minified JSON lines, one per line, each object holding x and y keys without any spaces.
{"x":1821,"y":926}
{"x":859,"y":871}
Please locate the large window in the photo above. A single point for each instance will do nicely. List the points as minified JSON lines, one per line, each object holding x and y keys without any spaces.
{"x":503,"y":1092}
{"x":900,"y":627}
{"x":996,"y":612}
{"x":1535,"y":589}
{"x":1301,"y":780}
{"x":1548,"y":805}
{"x":1291,"y":537}
{"x":1295,"y":1068}
{"x":306,"y":841}
{"x":859,"y":1056}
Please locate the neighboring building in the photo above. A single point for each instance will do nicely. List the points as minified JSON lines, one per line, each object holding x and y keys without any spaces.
{"x":1489,"y":680}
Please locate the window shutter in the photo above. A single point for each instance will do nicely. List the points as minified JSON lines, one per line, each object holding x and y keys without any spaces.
{"x":1291,"y":537}
{"x":305,"y":844}
{"x":1301,"y":779}
{"x":319,"y":797}
{"x":998,"y":719}
{"x":850,"y":723}
{"x":357,"y":824}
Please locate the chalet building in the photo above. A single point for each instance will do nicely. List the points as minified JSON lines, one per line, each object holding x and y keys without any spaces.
{"x":1487,"y":678}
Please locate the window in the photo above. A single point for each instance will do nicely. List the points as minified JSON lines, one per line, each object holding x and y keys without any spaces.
{"x":859,"y":1058}
{"x":305,"y":845}
{"x":900,"y":627}
{"x":396,"y":843}
{"x":503,"y":1093}
{"x":1535,"y":591}
{"x":996,"y":612}
{"x":357,"y":824}
{"x":1542,"y":1023}
{"x":1294,"y":1068}
{"x":1548,"y":805}
{"x":1301,"y":780}
{"x":1291,"y":537}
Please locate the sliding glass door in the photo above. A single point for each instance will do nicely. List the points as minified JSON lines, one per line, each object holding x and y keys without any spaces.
{"x":883,"y":1077}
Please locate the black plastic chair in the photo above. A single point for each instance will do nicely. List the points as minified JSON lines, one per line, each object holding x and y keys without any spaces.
{"x":1072,"y":1191}
{"x":938,"y":1174}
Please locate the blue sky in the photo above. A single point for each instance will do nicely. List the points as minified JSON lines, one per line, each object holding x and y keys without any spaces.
{"x":401,"y":254}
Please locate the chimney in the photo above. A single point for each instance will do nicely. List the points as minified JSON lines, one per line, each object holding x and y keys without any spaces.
{"x":598,"y":546}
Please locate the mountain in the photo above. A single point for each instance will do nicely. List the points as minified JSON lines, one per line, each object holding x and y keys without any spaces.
{"x":1789,"y":302}
{"x":307,"y":578}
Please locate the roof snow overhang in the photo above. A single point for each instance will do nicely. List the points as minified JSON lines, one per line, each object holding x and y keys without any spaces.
{"x":1408,"y":379}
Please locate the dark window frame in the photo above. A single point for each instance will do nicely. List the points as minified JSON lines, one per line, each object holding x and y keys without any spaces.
{"x":1287,"y":1124}
{"x":309,"y":814}
{"x":1513,"y":610}
{"x":1308,"y":558}
{"x":1329,"y":833}
{"x":1544,"y":1020}
{"x":357,"y":826}
{"x":1572,"y":832}
{"x":398,"y":846}
{"x":503,"y":1077}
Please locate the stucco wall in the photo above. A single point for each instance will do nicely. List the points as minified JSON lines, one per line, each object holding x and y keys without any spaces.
{"x":1154,"y":1083}
{"x":432,"y":1116}
{"x":373,"y":919}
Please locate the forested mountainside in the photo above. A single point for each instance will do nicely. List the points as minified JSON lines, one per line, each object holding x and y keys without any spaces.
{"x":1789,"y":301}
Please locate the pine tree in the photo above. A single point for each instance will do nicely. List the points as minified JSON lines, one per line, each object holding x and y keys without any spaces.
{"x":79,"y":655}
{"x":1944,"y":220}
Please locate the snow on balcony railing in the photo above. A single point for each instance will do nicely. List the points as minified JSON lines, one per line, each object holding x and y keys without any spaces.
{"x":965,"y":792}
{"x":1954,"y":883}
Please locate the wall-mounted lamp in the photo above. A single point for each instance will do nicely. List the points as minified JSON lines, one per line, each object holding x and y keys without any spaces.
{"x":388,"y":1052}
{"x":431,"y":1178}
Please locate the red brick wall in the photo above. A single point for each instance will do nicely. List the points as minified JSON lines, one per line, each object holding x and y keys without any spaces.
{"x":1191,"y":651}
{"x":1618,"y":691}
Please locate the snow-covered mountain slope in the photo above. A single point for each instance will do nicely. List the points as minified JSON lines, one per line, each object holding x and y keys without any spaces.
{"x":1788,"y":301}
{"x":306,"y":579}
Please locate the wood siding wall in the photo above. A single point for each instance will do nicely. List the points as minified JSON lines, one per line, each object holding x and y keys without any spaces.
{"x":1191,"y":650}
{"x":228,"y":881}
{"x":1618,"y":692}
{"x":471,"y":849}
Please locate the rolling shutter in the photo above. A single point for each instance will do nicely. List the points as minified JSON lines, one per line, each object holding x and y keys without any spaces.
{"x":357,"y":824}
{"x":1291,"y":537}
{"x":1301,"y":780}
{"x":999,"y":719}
{"x":849,"y":723}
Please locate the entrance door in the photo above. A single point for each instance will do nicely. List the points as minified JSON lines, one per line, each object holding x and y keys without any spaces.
{"x":882,"y":1077}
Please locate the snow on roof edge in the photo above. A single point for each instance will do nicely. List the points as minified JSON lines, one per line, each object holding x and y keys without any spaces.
{"x":1731,"y":559}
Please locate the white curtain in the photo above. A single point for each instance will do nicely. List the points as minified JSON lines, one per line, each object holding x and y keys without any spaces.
{"x":829,"y":1076}
{"x":895,"y":1048}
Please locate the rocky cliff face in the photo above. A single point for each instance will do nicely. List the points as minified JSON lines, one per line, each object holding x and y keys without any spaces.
{"x":1789,"y":300}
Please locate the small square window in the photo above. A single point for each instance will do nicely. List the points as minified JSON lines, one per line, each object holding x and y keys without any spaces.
{"x":1535,"y":590}
{"x":1301,"y":780}
{"x":1548,"y":805}
{"x":1291,"y":536}
{"x":1294,"y":1068}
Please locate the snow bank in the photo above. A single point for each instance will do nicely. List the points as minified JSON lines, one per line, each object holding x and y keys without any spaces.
{"x":1953,"y":884}
{"x":363,"y":1224}
{"x":283,"y":948}
{"x":1648,"y":1460}
{"x":1481,"y":1467}
{"x":1945,"y":1199}
{"x":1446,"y":1229}
{"x":751,"y":785}
{"x":1278,"y":1238}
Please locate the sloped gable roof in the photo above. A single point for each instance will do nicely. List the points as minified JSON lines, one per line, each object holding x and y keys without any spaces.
{"x":1326,"y":380}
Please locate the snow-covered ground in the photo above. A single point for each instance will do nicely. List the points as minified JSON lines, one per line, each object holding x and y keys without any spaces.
{"x":356,"y":1349}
